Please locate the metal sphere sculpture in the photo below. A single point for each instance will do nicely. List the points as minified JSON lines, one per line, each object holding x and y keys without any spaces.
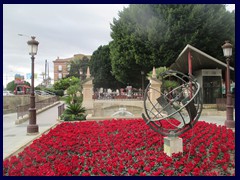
{"x":177,"y":107}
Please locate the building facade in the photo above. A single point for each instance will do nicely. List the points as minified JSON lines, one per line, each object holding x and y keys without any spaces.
{"x":62,"y":66}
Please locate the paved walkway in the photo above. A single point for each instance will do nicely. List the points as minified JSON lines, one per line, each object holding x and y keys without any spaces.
{"x":219,"y":120}
{"x":15,"y":136}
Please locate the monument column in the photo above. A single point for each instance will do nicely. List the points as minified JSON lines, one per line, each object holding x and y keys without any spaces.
{"x":88,"y":92}
{"x":155,"y":88}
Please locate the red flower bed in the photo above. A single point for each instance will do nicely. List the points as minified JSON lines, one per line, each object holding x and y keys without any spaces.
{"x":124,"y":147}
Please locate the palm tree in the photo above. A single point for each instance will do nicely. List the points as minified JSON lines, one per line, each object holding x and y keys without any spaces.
{"x":74,"y":112}
{"x":76,"y":65}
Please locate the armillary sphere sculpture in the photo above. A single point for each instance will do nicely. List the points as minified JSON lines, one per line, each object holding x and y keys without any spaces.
{"x":175,"y":106}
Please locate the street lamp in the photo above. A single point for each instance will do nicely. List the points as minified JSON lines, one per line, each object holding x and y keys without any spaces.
{"x":81,"y":73}
{"x":142,"y":73}
{"x":227,"y":52}
{"x":32,"y":127}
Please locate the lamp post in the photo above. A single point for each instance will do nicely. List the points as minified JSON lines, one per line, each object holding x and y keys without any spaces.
{"x":227,"y":52}
{"x":142,"y":73}
{"x":81,"y":74}
{"x":32,"y":127}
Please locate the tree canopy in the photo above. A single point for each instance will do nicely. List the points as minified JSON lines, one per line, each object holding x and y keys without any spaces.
{"x":77,"y":65}
{"x":101,"y":69}
{"x":154,"y":35}
{"x":11,"y":85}
{"x":65,"y":83}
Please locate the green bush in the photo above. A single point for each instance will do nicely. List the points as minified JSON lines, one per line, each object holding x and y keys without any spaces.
{"x":74,"y":112}
{"x":72,"y":117}
{"x":59,"y":92}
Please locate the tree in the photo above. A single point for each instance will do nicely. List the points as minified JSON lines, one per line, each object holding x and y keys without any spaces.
{"x":159,"y":71}
{"x":154,"y":35}
{"x":74,"y":98}
{"x":65,"y":83}
{"x":101,"y":69}
{"x":74,"y":112}
{"x":76,"y":64}
{"x":11,"y":85}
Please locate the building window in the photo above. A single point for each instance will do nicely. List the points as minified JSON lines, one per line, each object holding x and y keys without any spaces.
{"x":60,"y":68}
{"x":68,"y":67}
{"x":59,"y":75}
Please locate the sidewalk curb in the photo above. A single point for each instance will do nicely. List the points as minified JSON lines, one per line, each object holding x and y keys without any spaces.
{"x":15,"y":153}
{"x":24,"y":119}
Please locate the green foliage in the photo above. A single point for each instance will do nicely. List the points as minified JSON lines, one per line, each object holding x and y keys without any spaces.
{"x":67,"y":99}
{"x":74,"y":98}
{"x":75,"y":109}
{"x":59,"y":92}
{"x":154,"y":35}
{"x":74,"y":94}
{"x":11,"y":85}
{"x":167,"y":84}
{"x":38,"y":88}
{"x":101,"y":69}
{"x":65,"y":83}
{"x":76,"y":64}
{"x":159,"y":71}
{"x":56,"y":92}
{"x":74,"y":112}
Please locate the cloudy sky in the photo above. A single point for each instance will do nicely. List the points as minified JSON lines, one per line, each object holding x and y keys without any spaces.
{"x":62,"y":31}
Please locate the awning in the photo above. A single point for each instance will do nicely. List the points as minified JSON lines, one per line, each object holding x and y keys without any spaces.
{"x":200,"y":60}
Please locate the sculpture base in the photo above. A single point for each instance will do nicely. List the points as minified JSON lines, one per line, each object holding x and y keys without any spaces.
{"x":172,"y":145}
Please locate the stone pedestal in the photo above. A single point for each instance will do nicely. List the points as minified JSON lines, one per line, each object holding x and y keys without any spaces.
{"x":155,"y":88}
{"x":87,"y":94}
{"x":172,"y":145}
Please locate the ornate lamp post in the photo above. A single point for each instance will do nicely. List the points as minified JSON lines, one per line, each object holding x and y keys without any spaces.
{"x":227,"y":52}
{"x":32,"y":127}
{"x":142,"y":73}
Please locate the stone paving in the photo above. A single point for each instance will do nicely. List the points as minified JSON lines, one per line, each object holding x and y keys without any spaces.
{"x":15,"y":136}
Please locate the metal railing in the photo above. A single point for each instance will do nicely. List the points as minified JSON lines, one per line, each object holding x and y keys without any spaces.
{"x":111,"y":96}
{"x":61,"y":109}
{"x":24,"y":109}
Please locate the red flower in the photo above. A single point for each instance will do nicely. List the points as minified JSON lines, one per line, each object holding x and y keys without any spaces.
{"x":124,"y":147}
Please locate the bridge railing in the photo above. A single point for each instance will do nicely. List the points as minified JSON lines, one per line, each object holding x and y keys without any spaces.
{"x":24,"y":109}
{"x":61,"y":109}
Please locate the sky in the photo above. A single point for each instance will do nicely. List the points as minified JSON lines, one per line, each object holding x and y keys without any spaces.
{"x":62,"y":31}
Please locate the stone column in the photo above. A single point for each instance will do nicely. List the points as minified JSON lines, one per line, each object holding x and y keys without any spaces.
{"x":88,"y":92}
{"x":155,"y":88}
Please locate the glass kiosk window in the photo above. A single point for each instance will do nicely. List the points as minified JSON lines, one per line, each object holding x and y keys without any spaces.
{"x":211,"y":89}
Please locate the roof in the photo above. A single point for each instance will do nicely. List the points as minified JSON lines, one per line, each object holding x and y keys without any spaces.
{"x":62,"y":60}
{"x":200,"y":60}
{"x":79,"y":56}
